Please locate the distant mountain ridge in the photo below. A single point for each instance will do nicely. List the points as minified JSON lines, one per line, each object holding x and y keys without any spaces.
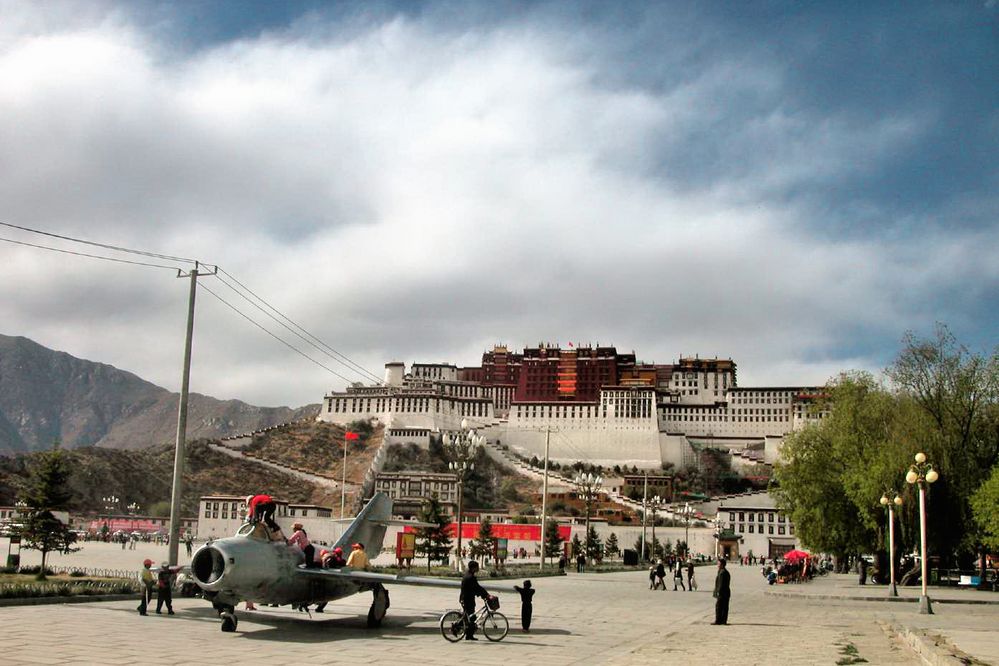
{"x":47,"y":395}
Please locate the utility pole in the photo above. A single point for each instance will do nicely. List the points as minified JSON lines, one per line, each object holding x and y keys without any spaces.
{"x":544,"y":496}
{"x":180,"y":452}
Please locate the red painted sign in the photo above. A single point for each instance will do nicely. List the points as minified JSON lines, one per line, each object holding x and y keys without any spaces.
{"x":510,"y":531}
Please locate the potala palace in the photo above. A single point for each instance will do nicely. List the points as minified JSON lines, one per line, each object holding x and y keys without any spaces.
{"x":600,"y":405}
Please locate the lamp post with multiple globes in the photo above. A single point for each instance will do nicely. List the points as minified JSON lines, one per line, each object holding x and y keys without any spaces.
{"x":589,"y":484}
{"x":922,"y":474}
{"x":461,"y":448}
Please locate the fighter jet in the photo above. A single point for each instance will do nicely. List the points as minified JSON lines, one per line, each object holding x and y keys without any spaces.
{"x":251,"y":566}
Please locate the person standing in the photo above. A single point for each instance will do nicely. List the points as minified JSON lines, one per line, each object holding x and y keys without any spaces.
{"x":164,"y":588}
{"x":470,"y":588}
{"x":580,"y":563}
{"x":300,"y":538}
{"x":660,"y":575}
{"x":862,"y":567}
{"x":359,"y":559}
{"x":722,"y":593}
{"x":691,"y":583}
{"x":678,"y":575}
{"x":526,"y":605}
{"x":148,"y":581}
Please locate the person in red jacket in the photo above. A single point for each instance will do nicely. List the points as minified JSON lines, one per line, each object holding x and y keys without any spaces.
{"x":260,"y":509}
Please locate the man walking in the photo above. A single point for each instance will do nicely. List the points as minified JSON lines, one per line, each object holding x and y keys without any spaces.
{"x":147,"y":586}
{"x":722,"y":593}
{"x":470,"y":588}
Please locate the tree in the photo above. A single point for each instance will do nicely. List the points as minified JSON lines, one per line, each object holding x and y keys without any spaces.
{"x":485,"y":544}
{"x":595,"y":545}
{"x":552,"y":540}
{"x":612,"y":548}
{"x":576,"y":545}
{"x":985,"y":507}
{"x":434,"y":542}
{"x":46,"y":491}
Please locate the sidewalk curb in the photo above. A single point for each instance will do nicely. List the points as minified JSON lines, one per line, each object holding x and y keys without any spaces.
{"x":79,"y":599}
{"x":933,"y":649}
{"x":840,"y":597}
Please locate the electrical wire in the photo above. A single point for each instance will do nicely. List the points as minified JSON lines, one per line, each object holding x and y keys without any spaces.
{"x":96,"y":244}
{"x":276,"y":337}
{"x":321,"y":346}
{"x":85,"y":254}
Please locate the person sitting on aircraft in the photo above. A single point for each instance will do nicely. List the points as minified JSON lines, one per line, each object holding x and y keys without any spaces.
{"x":301,"y":539}
{"x":358,"y":558}
{"x":261,"y":509}
{"x":336,"y":559}
{"x":470,"y":588}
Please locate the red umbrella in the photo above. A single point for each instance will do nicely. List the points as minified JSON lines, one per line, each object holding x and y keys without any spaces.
{"x":795,"y":555}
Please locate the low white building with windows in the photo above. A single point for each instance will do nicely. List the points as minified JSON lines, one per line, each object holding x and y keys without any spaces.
{"x":762,"y":528}
{"x":409,"y":490}
{"x":220,"y":516}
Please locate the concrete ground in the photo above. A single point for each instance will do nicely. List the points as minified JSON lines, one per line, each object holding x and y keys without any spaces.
{"x":580,"y":619}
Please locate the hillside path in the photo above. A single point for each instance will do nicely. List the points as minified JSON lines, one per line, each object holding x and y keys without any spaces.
{"x":305,"y":476}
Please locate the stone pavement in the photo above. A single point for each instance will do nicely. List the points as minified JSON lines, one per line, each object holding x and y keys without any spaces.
{"x":964,"y":620}
{"x":579,"y":619}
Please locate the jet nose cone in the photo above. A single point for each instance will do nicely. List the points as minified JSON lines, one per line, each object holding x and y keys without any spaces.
{"x":208,"y":567}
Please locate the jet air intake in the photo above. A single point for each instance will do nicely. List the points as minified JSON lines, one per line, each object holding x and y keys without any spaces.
{"x":208,"y":567}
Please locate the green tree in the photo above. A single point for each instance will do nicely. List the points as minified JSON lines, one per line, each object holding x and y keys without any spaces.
{"x":985,"y":507}
{"x":552,"y":540}
{"x":576,"y":545}
{"x":47,"y":491}
{"x":485,"y":544}
{"x":434,"y":542}
{"x":595,"y":545}
{"x":612,"y":548}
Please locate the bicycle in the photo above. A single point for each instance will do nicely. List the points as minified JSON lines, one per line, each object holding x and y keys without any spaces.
{"x":488,"y":619}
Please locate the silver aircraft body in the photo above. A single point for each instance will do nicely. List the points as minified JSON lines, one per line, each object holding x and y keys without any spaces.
{"x":250,"y":566}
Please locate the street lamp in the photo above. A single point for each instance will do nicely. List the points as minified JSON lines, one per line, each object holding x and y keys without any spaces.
{"x":110,"y":502}
{"x":655,"y":504}
{"x":589,"y":484}
{"x":686,"y":512}
{"x":922,"y":473}
{"x":890,"y":505}
{"x":460,"y":448}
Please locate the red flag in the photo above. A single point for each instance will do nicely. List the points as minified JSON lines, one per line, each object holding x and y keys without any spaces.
{"x":570,"y":344}
{"x":351,"y":435}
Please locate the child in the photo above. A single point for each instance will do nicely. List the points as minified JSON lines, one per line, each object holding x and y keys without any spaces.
{"x":526,"y":605}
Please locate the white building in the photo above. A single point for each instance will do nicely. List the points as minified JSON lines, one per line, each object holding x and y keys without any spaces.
{"x":651,"y":415}
{"x":760,"y":528}
{"x":220,"y":516}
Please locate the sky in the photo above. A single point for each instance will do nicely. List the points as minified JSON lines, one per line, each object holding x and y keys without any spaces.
{"x":793,"y":185}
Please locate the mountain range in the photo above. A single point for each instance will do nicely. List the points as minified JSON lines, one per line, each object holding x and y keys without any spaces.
{"x":47,"y":395}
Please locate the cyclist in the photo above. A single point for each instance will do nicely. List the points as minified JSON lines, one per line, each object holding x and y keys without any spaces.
{"x":470,"y":589}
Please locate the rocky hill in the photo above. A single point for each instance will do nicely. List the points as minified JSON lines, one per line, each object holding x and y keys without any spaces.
{"x":47,"y":395}
{"x":144,"y":477}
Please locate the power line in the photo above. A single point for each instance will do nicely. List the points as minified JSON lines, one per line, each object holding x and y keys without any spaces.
{"x":282,"y":324}
{"x":96,"y":244}
{"x":323,"y":347}
{"x":85,"y":254}
{"x":276,"y":337}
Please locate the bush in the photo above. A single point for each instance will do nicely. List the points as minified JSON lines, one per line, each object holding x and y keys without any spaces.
{"x":76,"y":573}
{"x":35,"y":570}
{"x":68,"y":589}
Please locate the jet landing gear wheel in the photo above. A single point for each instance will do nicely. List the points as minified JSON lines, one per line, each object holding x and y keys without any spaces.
{"x":379,"y":606}
{"x":229,"y":621}
{"x":453,"y":626}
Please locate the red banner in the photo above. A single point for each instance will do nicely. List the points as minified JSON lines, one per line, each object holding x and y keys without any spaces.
{"x":126,"y":525}
{"x":510,"y":531}
{"x":351,"y":435}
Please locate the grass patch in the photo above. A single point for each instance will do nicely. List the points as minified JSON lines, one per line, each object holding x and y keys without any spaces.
{"x":850,"y":655}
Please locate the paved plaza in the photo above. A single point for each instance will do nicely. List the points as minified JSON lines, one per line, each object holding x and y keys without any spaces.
{"x":580,"y":619}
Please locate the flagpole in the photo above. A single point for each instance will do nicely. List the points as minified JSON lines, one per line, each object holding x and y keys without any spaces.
{"x":343,"y":484}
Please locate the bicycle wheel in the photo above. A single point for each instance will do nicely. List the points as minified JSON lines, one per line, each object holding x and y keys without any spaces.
{"x":495,"y":626}
{"x":453,"y":625}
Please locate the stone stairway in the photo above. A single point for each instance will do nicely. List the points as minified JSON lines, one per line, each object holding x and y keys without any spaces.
{"x":324,"y":480}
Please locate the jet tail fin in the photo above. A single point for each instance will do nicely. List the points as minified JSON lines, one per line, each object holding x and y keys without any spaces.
{"x":369,"y":526}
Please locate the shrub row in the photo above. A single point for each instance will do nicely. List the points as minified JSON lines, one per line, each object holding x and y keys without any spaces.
{"x":67,"y":589}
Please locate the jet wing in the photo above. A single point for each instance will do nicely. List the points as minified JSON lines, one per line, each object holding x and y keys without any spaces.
{"x":358,"y":576}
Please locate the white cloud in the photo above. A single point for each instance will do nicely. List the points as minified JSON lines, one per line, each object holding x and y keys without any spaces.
{"x":416,"y":195}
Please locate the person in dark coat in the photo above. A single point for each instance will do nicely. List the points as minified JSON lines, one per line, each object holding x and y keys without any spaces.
{"x":862,"y":566}
{"x":722,"y":593}
{"x":164,"y":588}
{"x":470,"y":589}
{"x":660,"y":575}
{"x":526,"y":604}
